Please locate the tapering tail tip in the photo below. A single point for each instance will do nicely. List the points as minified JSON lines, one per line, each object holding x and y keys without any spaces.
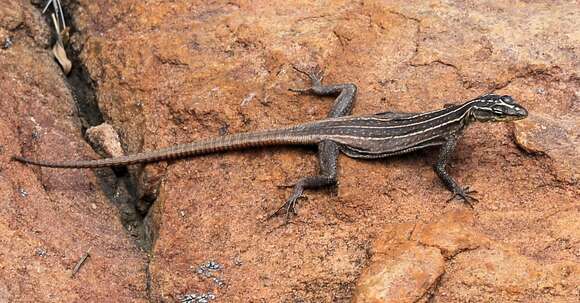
{"x":21,"y":159}
{"x":17,"y":158}
{"x":27,"y":161}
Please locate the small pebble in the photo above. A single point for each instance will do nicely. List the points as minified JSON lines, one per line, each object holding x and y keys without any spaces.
{"x":23,"y":193}
{"x":207,"y":270}
{"x":7,"y":43}
{"x":35,"y":133}
{"x":213,"y":265}
{"x":40,"y":252}
{"x":238,"y":261}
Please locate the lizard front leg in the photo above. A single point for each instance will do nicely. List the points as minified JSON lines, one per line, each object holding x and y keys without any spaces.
{"x":452,"y":185}
{"x":346,"y":92}
{"x":328,"y":157}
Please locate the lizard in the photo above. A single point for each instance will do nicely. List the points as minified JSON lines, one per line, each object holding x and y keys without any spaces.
{"x":368,"y":136}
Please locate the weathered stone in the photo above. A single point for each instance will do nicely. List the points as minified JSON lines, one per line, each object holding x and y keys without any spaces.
{"x":563,"y":229}
{"x":452,"y":233}
{"x":558,"y":138}
{"x":104,"y":138}
{"x":409,"y":259}
{"x":406,"y":272}
{"x":47,"y":222}
{"x":565,"y":225}
{"x":408,"y":265}
{"x":503,"y":275}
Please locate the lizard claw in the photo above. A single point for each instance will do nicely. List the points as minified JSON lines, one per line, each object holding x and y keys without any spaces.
{"x":466,"y":195}
{"x":315,"y":75}
{"x":301,"y":90}
{"x":288,"y":208}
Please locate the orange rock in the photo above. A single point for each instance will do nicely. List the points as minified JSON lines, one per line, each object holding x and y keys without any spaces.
{"x":168,"y":72}
{"x":404,"y":273}
{"x":49,"y":218}
{"x":558,"y":138}
{"x":503,"y":275}
{"x":452,"y":233}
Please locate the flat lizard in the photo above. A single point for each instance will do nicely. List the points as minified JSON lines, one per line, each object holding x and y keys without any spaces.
{"x":372,"y":136}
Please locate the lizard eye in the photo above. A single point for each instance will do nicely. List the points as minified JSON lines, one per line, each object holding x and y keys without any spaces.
{"x":507,"y":99}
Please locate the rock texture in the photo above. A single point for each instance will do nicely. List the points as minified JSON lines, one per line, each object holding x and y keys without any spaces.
{"x":172,"y":72}
{"x":406,"y":274}
{"x":48,"y":218}
{"x":449,"y":260}
{"x":558,"y":138}
{"x":504,"y":275}
{"x":105,"y":139}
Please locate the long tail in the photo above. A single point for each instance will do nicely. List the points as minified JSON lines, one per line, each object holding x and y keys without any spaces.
{"x":284,"y":136}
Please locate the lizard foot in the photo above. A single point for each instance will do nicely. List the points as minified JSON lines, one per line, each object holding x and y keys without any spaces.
{"x":315,"y":75}
{"x":288,"y":208}
{"x":465,"y":194}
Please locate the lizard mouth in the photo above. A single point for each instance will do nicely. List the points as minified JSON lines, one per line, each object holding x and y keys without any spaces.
{"x":518,"y":114}
{"x":521,"y":113}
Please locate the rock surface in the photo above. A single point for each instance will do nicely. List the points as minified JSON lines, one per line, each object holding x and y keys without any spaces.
{"x":176,"y":72}
{"x":558,"y":138}
{"x":172,"y":72}
{"x":407,"y":273}
{"x":504,"y":275}
{"x":450,"y":261}
{"x":105,"y":139}
{"x":49,"y":218}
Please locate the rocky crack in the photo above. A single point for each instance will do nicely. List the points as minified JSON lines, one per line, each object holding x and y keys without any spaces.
{"x":118,"y":185}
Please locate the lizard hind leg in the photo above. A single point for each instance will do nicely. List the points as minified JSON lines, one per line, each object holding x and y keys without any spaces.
{"x":328,"y":157}
{"x":346,"y":93}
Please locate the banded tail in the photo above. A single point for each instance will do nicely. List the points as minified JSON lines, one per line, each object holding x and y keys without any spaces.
{"x":284,"y":136}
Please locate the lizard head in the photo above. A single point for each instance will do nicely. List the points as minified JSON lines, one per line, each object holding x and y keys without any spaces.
{"x":495,"y":108}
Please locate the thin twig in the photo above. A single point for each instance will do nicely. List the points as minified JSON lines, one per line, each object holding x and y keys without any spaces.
{"x":56,"y":26}
{"x":57,"y":9}
{"x":61,"y":13}
{"x":80,"y":263}
{"x":46,"y":6}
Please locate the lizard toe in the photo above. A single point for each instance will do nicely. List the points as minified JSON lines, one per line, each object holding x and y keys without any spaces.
{"x":465,"y":194}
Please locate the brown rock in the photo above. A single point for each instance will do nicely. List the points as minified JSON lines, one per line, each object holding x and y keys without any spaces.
{"x":566,"y":226}
{"x":408,"y":260}
{"x":478,"y":269}
{"x":563,"y":229}
{"x":558,"y":138}
{"x":503,"y":275}
{"x":46,"y":221}
{"x":104,"y":138}
{"x":452,"y":233}
{"x":404,"y":273}
{"x":177,"y":71}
